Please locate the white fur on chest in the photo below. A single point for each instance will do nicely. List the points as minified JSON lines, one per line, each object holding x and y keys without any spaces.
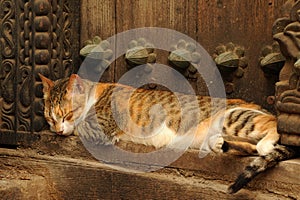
{"x":161,"y":137}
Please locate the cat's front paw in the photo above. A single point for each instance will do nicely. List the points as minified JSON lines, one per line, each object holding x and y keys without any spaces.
{"x":216,"y":143}
{"x":115,"y":139}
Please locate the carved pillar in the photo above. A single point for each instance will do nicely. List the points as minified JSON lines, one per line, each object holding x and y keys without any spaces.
{"x":287,"y":32}
{"x":36,"y":36}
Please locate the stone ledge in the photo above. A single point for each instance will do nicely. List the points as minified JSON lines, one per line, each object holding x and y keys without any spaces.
{"x":66,"y":170}
{"x":283,"y":179}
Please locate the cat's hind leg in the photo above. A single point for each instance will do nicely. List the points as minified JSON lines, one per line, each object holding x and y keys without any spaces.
{"x":267,"y":143}
{"x":232,"y":145}
{"x":239,"y":148}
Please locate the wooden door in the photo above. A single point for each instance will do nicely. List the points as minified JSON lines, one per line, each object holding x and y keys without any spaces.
{"x":242,"y":23}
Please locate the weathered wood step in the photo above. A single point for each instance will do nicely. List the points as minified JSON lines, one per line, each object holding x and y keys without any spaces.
{"x":25,"y":174}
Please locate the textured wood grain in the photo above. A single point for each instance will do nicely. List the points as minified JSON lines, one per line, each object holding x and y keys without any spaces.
{"x":175,"y":15}
{"x":98,"y":19}
{"x":26,"y":174}
{"x":247,"y":23}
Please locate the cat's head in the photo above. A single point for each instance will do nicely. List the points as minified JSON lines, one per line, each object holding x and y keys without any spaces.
{"x":64,"y":103}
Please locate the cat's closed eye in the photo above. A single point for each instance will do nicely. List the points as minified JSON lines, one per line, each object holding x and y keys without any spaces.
{"x":68,"y":116}
{"x":50,"y":120}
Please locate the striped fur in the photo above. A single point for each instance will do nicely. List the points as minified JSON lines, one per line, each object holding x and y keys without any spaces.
{"x":261,"y":164}
{"x":107,"y":113}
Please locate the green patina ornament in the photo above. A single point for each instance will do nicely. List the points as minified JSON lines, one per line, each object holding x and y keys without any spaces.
{"x":139,"y":52}
{"x":231,"y":62}
{"x":228,"y":59}
{"x":184,"y":57}
{"x":137,"y":55}
{"x":181,"y":58}
{"x":272,"y":60}
{"x":97,"y":51}
{"x":231,"y":58}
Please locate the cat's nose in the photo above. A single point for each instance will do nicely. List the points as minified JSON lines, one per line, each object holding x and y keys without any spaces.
{"x":60,"y":132}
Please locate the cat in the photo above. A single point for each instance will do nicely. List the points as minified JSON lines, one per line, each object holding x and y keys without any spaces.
{"x":246,"y":128}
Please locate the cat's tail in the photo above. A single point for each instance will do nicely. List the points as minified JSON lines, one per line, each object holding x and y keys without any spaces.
{"x":261,"y":164}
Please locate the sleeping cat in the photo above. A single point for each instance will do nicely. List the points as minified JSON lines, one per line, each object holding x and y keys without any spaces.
{"x":245,"y":127}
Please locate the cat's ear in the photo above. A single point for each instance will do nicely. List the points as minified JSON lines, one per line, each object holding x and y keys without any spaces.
{"x":47,"y":84}
{"x":75,"y":85}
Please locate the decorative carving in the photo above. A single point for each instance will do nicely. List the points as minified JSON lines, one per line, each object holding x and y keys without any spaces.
{"x":139,"y":52}
{"x":286,"y":31}
{"x":97,"y":50}
{"x":231,"y":61}
{"x":271,"y":60}
{"x":35,"y":37}
{"x":8,"y":64}
{"x":183,"y":56}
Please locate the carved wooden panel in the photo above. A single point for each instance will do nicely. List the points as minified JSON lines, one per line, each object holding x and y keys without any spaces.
{"x":36,"y":36}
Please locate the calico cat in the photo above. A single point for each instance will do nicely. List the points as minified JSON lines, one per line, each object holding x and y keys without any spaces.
{"x":245,"y":128}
